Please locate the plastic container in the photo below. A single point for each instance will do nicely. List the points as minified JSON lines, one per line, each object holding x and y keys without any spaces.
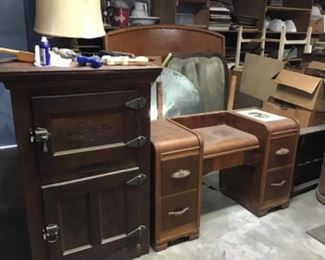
{"x":45,"y":58}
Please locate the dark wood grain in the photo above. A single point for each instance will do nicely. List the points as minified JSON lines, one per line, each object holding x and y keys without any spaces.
{"x":72,"y":184}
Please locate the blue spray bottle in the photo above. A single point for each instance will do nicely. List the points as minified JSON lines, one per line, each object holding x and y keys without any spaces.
{"x":44,"y":52}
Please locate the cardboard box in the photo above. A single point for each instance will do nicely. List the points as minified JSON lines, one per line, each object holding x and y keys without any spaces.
{"x":301,"y":90}
{"x":315,"y":68}
{"x":243,"y":100}
{"x":258,"y":71}
{"x":306,"y":118}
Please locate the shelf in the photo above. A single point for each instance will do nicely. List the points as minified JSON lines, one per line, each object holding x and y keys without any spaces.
{"x":109,"y":27}
{"x":193,"y":1}
{"x":202,"y":26}
{"x":263,"y":39}
{"x":288,"y":33}
{"x":286,"y":9}
{"x":257,"y":31}
{"x":304,"y":187}
{"x":245,"y":31}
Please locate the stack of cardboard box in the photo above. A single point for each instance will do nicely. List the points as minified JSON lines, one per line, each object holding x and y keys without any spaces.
{"x":297,"y":94}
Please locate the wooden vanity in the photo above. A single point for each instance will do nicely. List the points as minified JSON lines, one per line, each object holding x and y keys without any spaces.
{"x":253,"y":150}
{"x":177,"y":167}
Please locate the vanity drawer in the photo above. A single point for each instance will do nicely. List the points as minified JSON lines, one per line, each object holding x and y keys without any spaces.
{"x":278,"y":183}
{"x":178,"y":210}
{"x":282,"y":151}
{"x":179,"y":174}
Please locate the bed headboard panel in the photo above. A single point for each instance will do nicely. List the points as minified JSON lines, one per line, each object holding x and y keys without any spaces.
{"x":159,"y":40}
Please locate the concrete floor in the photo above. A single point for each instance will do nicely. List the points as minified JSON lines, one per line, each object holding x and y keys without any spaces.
{"x":230,"y":232}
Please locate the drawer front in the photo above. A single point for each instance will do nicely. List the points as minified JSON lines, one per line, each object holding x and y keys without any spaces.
{"x":282,"y":151}
{"x":179,"y":210}
{"x":179,"y":175}
{"x":89,"y":133}
{"x":278,"y":183}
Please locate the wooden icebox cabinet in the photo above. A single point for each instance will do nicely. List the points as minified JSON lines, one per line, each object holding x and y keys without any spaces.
{"x":83,"y":137}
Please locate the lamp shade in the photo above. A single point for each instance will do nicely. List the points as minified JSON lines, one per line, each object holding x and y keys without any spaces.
{"x":69,"y":18}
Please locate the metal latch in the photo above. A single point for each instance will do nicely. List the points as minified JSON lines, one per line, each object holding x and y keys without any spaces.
{"x":137,"y":103}
{"x":137,"y":180}
{"x":51,"y":233}
{"x":137,"y":142}
{"x":40,"y":135}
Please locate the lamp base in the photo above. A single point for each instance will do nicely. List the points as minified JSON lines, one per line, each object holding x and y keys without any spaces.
{"x":74,"y":45}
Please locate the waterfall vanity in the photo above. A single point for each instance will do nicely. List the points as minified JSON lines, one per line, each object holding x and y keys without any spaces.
{"x":253,"y":150}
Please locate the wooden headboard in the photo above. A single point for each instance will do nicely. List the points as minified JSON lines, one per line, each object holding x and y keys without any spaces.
{"x":159,"y":40}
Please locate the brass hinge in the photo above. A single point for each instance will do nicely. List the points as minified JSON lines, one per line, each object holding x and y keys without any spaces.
{"x":137,"y":103}
{"x":51,"y":233}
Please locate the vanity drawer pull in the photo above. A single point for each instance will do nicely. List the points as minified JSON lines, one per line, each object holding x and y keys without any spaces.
{"x":181,"y":174}
{"x":178,"y":213}
{"x":279,"y":184}
{"x":282,"y":151}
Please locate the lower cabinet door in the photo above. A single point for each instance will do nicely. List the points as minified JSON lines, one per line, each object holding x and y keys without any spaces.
{"x":96,"y":217}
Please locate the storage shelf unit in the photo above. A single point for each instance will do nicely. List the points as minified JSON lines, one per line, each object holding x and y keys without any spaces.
{"x":171,"y":12}
{"x":285,"y":9}
{"x":297,"y":11}
{"x":310,"y":156}
{"x":283,"y":41}
{"x":194,"y":12}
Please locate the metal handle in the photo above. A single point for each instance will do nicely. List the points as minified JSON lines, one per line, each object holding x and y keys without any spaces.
{"x":178,"y":213}
{"x":181,"y":174}
{"x":279,"y":184}
{"x":282,"y":151}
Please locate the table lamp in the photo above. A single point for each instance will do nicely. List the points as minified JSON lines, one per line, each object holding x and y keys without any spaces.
{"x":69,"y":18}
